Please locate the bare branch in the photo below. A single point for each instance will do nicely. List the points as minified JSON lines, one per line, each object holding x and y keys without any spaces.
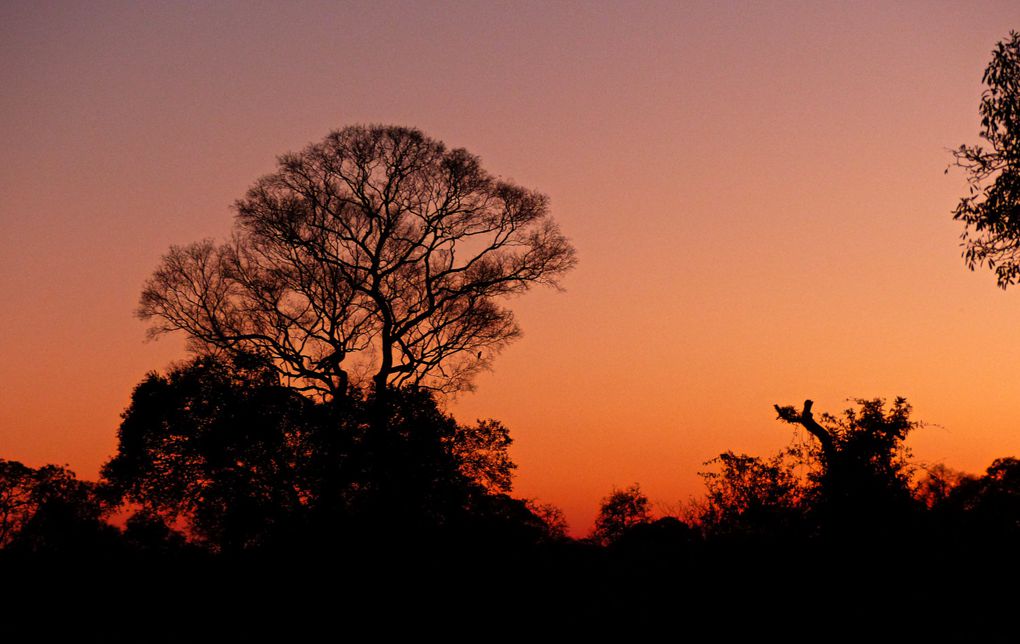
{"x":377,"y":245}
{"x":807,"y":420}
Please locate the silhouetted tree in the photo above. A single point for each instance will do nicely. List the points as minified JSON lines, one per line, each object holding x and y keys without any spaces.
{"x":219,"y":445}
{"x":751,"y":496}
{"x":48,"y":510}
{"x":481,"y":453}
{"x":988,"y":507}
{"x":863,"y":475}
{"x":412,"y":478}
{"x":18,"y":498}
{"x":653,"y":549}
{"x":149,"y":533}
{"x":377,"y":251}
{"x":620,"y":511}
{"x":552,"y":517}
{"x":937,"y":484}
{"x":991,"y":210}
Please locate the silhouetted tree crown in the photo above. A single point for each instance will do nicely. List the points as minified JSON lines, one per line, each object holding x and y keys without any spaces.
{"x":991,"y":210}
{"x":751,"y":496}
{"x":988,"y":506}
{"x":219,"y":446}
{"x":619,"y":512}
{"x":863,"y":469}
{"x":49,"y":510}
{"x":377,"y":253}
{"x":552,"y":518}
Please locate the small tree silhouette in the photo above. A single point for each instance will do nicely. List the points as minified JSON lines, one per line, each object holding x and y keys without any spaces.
{"x":748,"y":495}
{"x":620,"y":511}
{"x":48,"y":510}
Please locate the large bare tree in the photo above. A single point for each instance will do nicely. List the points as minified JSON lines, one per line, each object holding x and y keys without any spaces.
{"x":376,"y":255}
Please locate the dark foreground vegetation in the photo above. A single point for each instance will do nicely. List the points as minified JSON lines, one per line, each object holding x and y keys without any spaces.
{"x":242,"y":510}
{"x":298,"y":482}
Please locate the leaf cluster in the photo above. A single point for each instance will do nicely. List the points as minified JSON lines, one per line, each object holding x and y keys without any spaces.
{"x":991,"y":209}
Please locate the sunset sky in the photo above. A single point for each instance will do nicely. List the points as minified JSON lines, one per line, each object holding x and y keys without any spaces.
{"x":756,"y":192}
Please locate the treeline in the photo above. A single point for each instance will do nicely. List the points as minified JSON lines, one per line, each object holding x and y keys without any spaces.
{"x":217,"y":457}
{"x":237,"y":501}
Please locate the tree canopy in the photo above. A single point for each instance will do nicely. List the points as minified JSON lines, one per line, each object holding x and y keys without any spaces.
{"x":749,"y":495}
{"x":619,"y":512}
{"x":219,"y":446}
{"x":861,"y":467}
{"x":48,"y":509}
{"x":377,"y":254}
{"x":243,"y":462}
{"x":991,"y":210}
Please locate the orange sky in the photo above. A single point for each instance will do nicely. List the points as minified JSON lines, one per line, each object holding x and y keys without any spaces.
{"x":755,"y":190}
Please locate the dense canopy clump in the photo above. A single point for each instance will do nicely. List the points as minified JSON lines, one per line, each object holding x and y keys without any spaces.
{"x":240,"y":461}
{"x":991,"y":210}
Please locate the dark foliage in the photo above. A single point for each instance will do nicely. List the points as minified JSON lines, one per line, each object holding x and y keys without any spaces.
{"x":619,"y":512}
{"x":218,"y":447}
{"x":991,"y":210}
{"x":748,"y":496}
{"x":860,"y":469}
{"x":48,"y":510}
{"x":987,"y":506}
{"x":262,"y":515}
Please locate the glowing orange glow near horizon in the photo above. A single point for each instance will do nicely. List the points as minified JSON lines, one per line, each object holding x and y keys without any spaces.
{"x":757,"y":195}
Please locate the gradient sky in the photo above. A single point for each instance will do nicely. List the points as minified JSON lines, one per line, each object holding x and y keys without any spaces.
{"x":756,"y":192}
